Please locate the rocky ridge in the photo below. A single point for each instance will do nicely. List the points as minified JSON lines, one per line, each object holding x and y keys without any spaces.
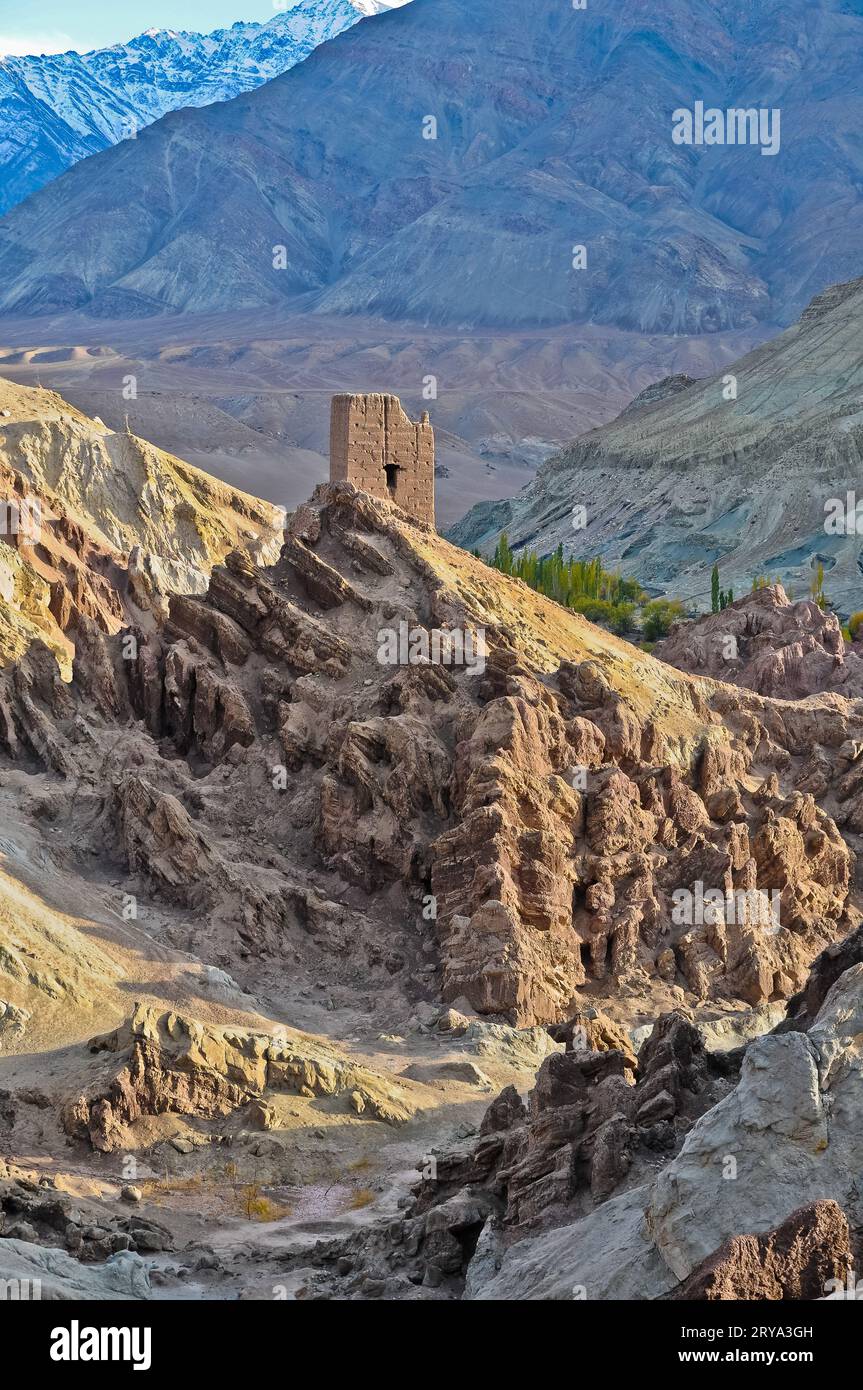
{"x":688,"y":1176}
{"x":97,"y":526}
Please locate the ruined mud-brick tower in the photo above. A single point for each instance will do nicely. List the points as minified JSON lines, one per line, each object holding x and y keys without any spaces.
{"x":376,"y":446}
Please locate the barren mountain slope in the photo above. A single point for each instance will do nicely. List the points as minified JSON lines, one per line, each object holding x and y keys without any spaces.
{"x":88,"y":513}
{"x":746,"y":468}
{"x":552,"y":130}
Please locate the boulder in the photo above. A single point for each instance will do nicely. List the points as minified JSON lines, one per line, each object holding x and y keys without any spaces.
{"x":796,"y":1261}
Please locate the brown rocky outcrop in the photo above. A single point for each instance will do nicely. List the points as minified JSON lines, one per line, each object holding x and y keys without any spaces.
{"x":592,"y":1116}
{"x":825,"y":970}
{"x":797,"y":1260}
{"x":605,"y":857}
{"x":591,"y":1030}
{"x":765,"y":642}
{"x":171,"y":1065}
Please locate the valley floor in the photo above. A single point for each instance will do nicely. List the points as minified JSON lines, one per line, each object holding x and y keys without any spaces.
{"x":246,"y":397}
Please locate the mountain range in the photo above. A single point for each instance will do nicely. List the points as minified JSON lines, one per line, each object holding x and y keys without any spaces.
{"x":57,"y":108}
{"x":548,"y":136}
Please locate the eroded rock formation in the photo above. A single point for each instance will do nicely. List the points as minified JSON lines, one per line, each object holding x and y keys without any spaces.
{"x":756,"y":1196}
{"x":96,"y":527}
{"x":168,"y":1064}
{"x":765,"y":642}
{"x":564,"y":814}
{"x":594,"y":1114}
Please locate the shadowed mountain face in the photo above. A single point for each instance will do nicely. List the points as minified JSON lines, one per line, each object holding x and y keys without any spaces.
{"x":754,"y":468}
{"x":58,"y":108}
{"x":553,"y":129}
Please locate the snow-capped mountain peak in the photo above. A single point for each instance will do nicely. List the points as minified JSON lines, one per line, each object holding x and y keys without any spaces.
{"x":58,"y":108}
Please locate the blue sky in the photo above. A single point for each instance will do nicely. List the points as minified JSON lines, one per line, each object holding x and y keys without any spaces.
{"x":55,"y":25}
